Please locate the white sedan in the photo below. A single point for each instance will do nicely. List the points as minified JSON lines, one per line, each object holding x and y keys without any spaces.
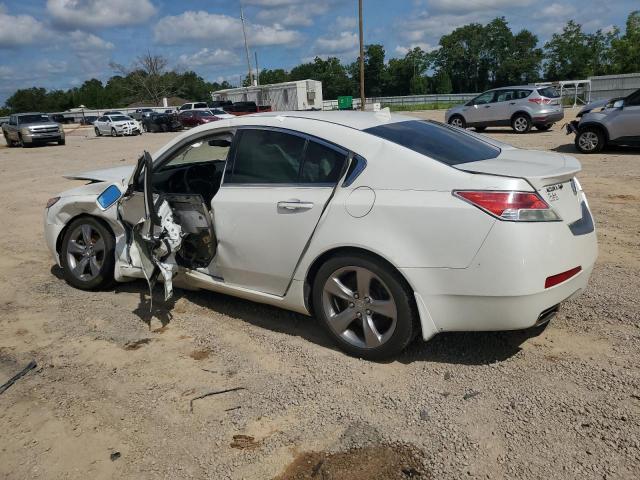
{"x":116,"y":125}
{"x":382,"y":226}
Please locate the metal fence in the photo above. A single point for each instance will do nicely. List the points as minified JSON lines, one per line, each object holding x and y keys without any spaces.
{"x":444,"y":99}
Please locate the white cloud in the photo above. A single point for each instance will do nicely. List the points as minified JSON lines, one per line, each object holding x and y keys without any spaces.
{"x":226,"y":31}
{"x":217,"y":57}
{"x":467,"y":6}
{"x":343,"y":42}
{"x":19,"y":30}
{"x":345,"y":23}
{"x":99,"y":13}
{"x":556,"y":10}
{"x":88,"y":42}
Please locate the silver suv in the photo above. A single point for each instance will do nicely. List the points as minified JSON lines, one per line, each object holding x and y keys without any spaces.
{"x":520,"y":107}
{"x":617,"y":123}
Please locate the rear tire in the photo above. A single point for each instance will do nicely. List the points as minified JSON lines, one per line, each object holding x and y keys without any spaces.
{"x":374,"y":315}
{"x":458,"y":121}
{"x":97,"y":130}
{"x":521,"y":123}
{"x":590,"y":140}
{"x":87,"y":254}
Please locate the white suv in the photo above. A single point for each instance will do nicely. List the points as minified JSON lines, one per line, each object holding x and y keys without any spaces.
{"x":520,"y":107}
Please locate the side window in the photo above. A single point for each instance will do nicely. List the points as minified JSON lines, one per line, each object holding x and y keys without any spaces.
{"x":504,"y":95}
{"x":520,"y":94}
{"x":208,"y":149}
{"x":266,"y":156}
{"x":632,"y":100}
{"x":321,"y":164}
{"x":486,"y":97}
{"x":12,"y":120}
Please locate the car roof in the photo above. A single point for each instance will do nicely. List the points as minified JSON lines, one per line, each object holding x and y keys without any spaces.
{"x":351,"y":118}
{"x":30,"y":113}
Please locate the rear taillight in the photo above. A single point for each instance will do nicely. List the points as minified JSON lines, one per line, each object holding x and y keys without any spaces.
{"x":509,"y":205}
{"x":561,"y":277}
{"x":541,"y":101}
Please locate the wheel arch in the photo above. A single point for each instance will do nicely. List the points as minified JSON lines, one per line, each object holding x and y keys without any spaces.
{"x":595,"y":125}
{"x":521,"y":112}
{"x":312,"y":271}
{"x":63,"y":232}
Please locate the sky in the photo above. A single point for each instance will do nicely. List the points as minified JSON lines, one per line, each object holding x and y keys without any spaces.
{"x":62,"y":43}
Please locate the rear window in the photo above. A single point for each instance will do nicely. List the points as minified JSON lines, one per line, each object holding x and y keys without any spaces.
{"x":446,"y":144}
{"x":548,"y":92}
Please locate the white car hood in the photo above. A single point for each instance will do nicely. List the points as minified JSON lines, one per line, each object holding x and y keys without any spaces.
{"x":540,"y":168}
{"x":116,"y":174}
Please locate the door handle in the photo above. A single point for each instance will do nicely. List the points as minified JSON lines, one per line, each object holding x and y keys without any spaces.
{"x":512,"y":103}
{"x":487,"y":106}
{"x":295,"y":204}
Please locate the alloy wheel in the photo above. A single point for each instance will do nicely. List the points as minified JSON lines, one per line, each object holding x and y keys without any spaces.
{"x":456,"y":122}
{"x":588,"y":141}
{"x":520,"y":124}
{"x":359,"y":307}
{"x":85,"y":252}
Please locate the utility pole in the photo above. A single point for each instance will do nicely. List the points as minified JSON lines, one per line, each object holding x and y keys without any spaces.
{"x":246,"y":47}
{"x":257,"y":69}
{"x":362,"y":98}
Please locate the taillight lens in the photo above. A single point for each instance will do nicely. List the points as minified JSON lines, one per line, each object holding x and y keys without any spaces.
{"x":510,"y":205}
{"x":540,"y":100}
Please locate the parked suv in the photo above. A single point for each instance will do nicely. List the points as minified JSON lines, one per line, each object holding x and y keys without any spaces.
{"x":26,"y":129}
{"x":520,"y":107}
{"x":617,"y":123}
{"x":194,"y":106}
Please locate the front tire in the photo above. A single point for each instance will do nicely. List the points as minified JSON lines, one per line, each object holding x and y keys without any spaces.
{"x":114,"y":133}
{"x":87,"y":254}
{"x":365,"y":306}
{"x":590,"y":140}
{"x":62,"y":142}
{"x":457,"y":121}
{"x":97,"y":130}
{"x":521,"y":123}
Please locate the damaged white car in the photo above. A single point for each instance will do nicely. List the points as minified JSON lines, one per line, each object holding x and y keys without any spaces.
{"x":383,"y":226}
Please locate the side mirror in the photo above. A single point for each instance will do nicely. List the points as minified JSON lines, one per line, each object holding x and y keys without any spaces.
{"x":618,"y":104}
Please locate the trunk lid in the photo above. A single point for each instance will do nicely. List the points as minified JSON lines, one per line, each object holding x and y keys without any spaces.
{"x":550,"y":174}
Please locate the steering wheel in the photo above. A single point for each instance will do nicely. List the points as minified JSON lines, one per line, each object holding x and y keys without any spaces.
{"x":195,"y":179}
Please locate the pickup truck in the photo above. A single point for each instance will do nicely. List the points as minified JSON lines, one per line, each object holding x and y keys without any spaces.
{"x":245,"y":108}
{"x":27,"y":129}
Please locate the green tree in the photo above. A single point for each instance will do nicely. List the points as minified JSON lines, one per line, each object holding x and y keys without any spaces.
{"x":407,"y":75}
{"x":625,"y":50}
{"x":442,"y":82}
{"x":330,"y":72}
{"x":27,"y":100}
{"x":568,"y":54}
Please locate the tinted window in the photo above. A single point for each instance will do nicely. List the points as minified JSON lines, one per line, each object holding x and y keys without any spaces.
{"x":265,"y":156}
{"x":505,"y":95}
{"x":321,"y":164}
{"x":522,"y":93}
{"x":548,"y":92}
{"x":633,"y":99}
{"x":200,"y":105}
{"x":33,"y":118}
{"x":443,"y":143}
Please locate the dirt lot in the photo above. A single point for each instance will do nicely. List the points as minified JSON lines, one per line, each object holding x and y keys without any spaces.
{"x":110,"y":397}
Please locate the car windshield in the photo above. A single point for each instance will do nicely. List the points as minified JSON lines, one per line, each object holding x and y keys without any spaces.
{"x":119,"y":118}
{"x":205,"y":114}
{"x":34,"y":118}
{"x":548,"y":92}
{"x":441,"y":142}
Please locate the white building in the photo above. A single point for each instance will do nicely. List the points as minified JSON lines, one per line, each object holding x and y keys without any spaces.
{"x":298,"y":95}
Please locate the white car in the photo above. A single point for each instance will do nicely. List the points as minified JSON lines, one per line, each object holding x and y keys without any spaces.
{"x":221,"y":114}
{"x":116,"y":125}
{"x":383,"y":226}
{"x":193,"y":106}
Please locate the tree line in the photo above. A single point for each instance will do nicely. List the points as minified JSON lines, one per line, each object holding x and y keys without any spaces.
{"x":472,"y":58}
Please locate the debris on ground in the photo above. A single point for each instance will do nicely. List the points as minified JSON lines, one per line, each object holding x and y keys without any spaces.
{"x":30,"y":366}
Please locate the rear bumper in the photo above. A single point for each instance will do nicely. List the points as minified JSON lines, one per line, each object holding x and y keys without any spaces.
{"x":547,"y":118}
{"x":504,"y":287}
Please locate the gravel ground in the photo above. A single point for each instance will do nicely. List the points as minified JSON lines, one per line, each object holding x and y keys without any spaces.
{"x":111,"y":396}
